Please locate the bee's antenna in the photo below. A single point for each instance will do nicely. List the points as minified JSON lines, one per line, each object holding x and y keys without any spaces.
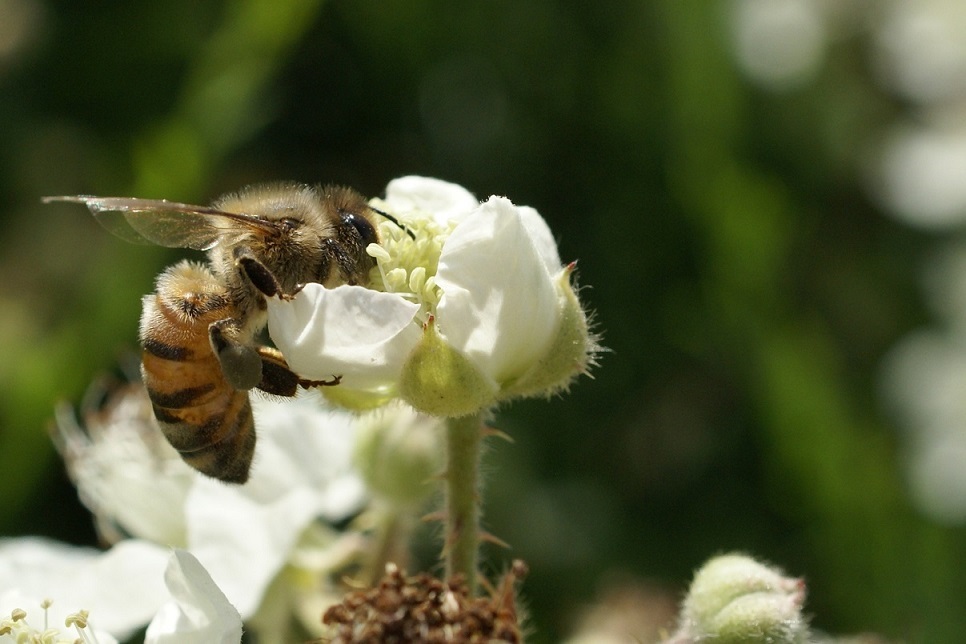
{"x":395,"y":221}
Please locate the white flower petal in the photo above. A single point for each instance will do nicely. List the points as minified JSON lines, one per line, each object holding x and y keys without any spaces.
{"x":349,"y":331}
{"x":242,"y":542}
{"x":125,"y":471}
{"x":499,"y":305}
{"x":245,"y":535}
{"x":304,"y":443}
{"x":199,"y":613}
{"x":541,"y":237}
{"x":121,"y":587}
{"x":445,"y":200}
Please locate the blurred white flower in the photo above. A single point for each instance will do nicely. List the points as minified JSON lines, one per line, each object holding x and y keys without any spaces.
{"x":779,"y":42}
{"x":923,"y":53}
{"x":198,"y":612}
{"x":469,"y":305}
{"x":921,"y":170}
{"x":125,"y":471}
{"x":120,"y":589}
{"x":924,"y":378}
{"x":922,"y":56}
{"x":244,"y":535}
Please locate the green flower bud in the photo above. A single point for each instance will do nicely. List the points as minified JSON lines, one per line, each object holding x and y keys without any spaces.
{"x":735,"y":599}
{"x":398,"y":452}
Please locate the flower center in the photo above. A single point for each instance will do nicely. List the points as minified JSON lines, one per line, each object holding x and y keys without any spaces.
{"x":406,"y":264}
{"x":19,"y":629}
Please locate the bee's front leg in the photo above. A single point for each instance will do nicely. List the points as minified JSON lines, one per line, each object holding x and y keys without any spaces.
{"x":240,"y":363}
{"x":257,"y":273}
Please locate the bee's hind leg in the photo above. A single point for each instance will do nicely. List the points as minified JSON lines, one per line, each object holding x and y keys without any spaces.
{"x":279,"y":379}
{"x":240,"y":363}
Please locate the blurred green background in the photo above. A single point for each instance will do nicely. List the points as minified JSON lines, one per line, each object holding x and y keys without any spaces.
{"x":746,"y":280}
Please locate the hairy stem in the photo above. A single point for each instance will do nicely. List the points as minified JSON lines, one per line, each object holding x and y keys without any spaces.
{"x":464,"y":438}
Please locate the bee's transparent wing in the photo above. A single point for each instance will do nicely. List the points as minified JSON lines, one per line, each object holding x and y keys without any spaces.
{"x":165,"y":223}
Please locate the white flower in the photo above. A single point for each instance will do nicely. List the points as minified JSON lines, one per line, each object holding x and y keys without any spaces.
{"x":469,"y":305}
{"x":779,"y":42}
{"x":100,"y":596}
{"x":922,"y":50}
{"x":125,"y":471}
{"x":120,"y":589}
{"x":921,"y":168}
{"x":198,"y":613}
{"x":923,"y":379}
{"x":244,"y":535}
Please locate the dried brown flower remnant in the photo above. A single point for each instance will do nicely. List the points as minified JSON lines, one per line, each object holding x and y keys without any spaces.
{"x":425,"y":609}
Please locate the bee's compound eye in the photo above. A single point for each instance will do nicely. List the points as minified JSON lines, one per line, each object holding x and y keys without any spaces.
{"x":362,"y":225}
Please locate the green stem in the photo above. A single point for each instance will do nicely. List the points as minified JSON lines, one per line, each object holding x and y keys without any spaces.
{"x":464,"y":438}
{"x":389,"y":533}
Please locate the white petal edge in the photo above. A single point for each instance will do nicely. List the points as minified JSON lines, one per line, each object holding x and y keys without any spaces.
{"x":349,"y":331}
{"x":446,"y":201}
{"x":499,"y":305}
{"x":198,"y":613}
{"x":542,"y":238}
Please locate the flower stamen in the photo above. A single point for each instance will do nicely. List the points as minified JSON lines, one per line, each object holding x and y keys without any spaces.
{"x":20,"y":630}
{"x":406,"y":263}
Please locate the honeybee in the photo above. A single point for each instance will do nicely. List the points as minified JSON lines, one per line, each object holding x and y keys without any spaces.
{"x":198,"y":329}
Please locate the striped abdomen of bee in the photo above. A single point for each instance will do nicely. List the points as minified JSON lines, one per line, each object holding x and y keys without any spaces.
{"x":204,"y":416}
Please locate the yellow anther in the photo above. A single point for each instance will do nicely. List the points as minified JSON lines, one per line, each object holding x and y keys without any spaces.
{"x":78,"y":619}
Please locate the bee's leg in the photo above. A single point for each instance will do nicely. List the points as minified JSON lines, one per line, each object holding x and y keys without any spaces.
{"x":278,"y":379}
{"x":240,"y":363}
{"x":257,"y":273}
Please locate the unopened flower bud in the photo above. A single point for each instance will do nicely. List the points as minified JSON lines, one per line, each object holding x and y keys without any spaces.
{"x":735,"y":599}
{"x":398,"y":452}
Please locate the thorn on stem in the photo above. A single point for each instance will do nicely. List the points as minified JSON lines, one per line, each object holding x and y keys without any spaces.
{"x":488,"y":431}
{"x":491,"y":538}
